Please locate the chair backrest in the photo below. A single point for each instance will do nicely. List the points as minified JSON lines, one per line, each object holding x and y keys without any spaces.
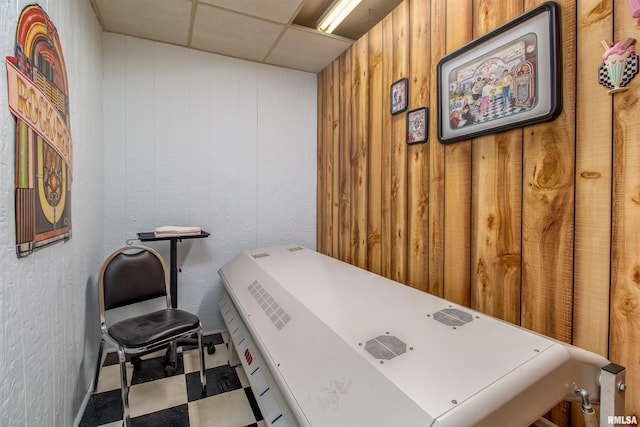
{"x":130,"y":275}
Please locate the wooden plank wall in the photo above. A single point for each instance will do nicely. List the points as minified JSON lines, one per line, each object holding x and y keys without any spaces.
{"x":539,"y":226}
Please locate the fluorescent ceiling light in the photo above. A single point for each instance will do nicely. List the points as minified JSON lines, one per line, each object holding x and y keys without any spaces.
{"x":340,"y":10}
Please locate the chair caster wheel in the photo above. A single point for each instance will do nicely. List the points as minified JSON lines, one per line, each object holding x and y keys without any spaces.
{"x":169,"y":370}
{"x":211,"y":348}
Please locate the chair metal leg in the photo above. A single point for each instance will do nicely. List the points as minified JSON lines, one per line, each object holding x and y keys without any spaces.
{"x":203,"y":378}
{"x":124,"y":389}
{"x":171,"y":359}
{"x":97,"y":374}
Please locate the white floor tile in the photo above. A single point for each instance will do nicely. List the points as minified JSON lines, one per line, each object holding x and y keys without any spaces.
{"x":156,"y":395}
{"x":229,"y":409}
{"x":191,"y":359}
{"x":109,"y":378}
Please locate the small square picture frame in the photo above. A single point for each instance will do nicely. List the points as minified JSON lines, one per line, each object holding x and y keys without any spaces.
{"x":399,"y":95}
{"x":418,"y":125}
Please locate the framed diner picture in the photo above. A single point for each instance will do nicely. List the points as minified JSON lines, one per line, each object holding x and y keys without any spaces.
{"x":507,"y":78}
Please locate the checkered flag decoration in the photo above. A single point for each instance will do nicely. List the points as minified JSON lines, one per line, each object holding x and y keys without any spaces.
{"x":619,"y":65}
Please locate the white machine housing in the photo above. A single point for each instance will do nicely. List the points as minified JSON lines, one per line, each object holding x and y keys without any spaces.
{"x":325,"y":343}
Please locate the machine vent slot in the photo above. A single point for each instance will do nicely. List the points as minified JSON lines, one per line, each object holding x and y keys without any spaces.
{"x":260,"y":255}
{"x":452,"y":317}
{"x":271,"y":308}
{"x":385,"y":347}
{"x":296,"y":249}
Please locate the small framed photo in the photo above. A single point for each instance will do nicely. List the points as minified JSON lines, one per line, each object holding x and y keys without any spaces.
{"x":399,"y":95}
{"x":417,"y":125}
{"x":507,"y":78}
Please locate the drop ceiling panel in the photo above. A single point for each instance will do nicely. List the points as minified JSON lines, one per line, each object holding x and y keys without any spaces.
{"x":282,"y":11}
{"x":160,"y":20}
{"x":277,"y":32}
{"x":307,"y":50}
{"x":228,"y":33}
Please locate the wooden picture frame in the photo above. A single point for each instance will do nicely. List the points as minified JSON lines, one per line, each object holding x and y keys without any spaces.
{"x":417,"y":125}
{"x":507,"y":78}
{"x":399,"y":95}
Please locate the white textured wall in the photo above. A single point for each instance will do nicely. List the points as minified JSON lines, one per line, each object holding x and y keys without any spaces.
{"x":198,"y":139}
{"x":44,"y":315}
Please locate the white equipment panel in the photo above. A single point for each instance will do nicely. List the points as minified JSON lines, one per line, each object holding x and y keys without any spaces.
{"x":340,"y":346}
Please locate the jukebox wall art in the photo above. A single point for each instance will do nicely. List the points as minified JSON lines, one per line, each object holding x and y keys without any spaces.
{"x":507,"y":78}
{"x":39,"y":100}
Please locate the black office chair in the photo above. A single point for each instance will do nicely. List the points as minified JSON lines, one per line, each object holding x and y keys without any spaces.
{"x":130,"y":275}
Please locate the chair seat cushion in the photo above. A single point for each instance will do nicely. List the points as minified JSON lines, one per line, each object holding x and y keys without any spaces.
{"x":152,"y":328}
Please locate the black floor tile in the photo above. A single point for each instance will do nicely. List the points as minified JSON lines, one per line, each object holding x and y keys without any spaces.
{"x":253,"y":403}
{"x":178,"y":416}
{"x":219,"y":380}
{"x":103,"y":408}
{"x":154,"y":369}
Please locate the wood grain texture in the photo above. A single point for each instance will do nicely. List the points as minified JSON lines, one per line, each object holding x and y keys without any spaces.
{"x":548,"y":210}
{"x":377,"y":98}
{"x":547,"y":224}
{"x":344,"y":162}
{"x":400,"y":49}
{"x":332,"y":169}
{"x":435,"y":270}
{"x":496,"y":199}
{"x":593,"y":183}
{"x":387,"y":148}
{"x":327,"y":172}
{"x":418,"y":154}
{"x":322,"y":221}
{"x":359,"y":149}
{"x":593,"y":191}
{"x":457,"y":177}
{"x":625,"y":291}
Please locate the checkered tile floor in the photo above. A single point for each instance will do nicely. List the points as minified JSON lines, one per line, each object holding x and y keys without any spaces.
{"x":158,"y":400}
{"x":497,"y":110}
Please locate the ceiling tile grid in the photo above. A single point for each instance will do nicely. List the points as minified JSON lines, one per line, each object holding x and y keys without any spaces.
{"x":282,"y":11}
{"x":306,"y":50}
{"x":256,"y":30}
{"x":229,"y":33}
{"x":161,"y":20}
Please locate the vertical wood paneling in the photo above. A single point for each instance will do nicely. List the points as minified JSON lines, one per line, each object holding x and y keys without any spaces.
{"x":548,"y":206}
{"x":592,"y":264}
{"x":496,"y":198}
{"x":322,"y":223}
{"x":418,"y":154}
{"x":359,"y":149}
{"x":376,"y":112}
{"x":387,"y":147}
{"x":333,"y":170}
{"x":548,"y":210}
{"x":625,"y":293}
{"x":329,"y":195}
{"x":457,"y":177}
{"x":593,"y":183}
{"x":436,"y":158}
{"x":534,"y":225}
{"x":400,"y":17}
{"x":344,"y":163}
